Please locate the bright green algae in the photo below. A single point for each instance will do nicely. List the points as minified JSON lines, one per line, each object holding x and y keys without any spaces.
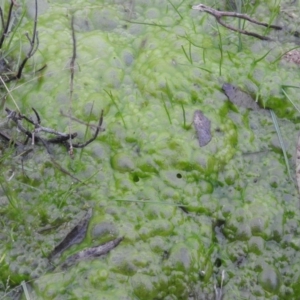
{"x":242,"y":210}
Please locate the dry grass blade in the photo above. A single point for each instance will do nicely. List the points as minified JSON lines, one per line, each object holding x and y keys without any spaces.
{"x":26,"y":293}
{"x":9,"y":93}
{"x":219,"y":290}
{"x":59,"y":167}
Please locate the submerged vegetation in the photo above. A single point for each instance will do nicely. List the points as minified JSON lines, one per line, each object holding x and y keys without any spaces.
{"x":214,"y":222}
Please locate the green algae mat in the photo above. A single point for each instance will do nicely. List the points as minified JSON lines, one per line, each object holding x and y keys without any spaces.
{"x":213,"y":222}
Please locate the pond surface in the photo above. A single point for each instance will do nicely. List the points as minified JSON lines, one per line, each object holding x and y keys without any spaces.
{"x":196,"y":221}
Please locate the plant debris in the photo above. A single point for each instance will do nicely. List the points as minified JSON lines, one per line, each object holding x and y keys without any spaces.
{"x":220,"y":14}
{"x":202,"y":126}
{"x":75,"y":236}
{"x":239,"y":98}
{"x":61,"y":138}
{"x":91,"y":252}
{"x":33,"y":41}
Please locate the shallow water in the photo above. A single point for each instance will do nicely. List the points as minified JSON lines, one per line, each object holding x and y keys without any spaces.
{"x":187,"y":214}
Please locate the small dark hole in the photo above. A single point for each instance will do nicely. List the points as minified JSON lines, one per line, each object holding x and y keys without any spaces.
{"x":179,"y":175}
{"x":165,"y":255}
{"x":136,"y":178}
{"x":218,"y":263}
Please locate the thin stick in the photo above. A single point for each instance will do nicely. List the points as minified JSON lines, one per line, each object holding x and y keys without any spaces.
{"x":62,"y":138}
{"x":94,"y":136}
{"x":34,"y":44}
{"x":219,"y":14}
{"x":9,"y":139}
{"x":72,"y":66}
{"x":4,"y":34}
{"x":78,"y":121}
{"x":2,"y":18}
{"x":59,"y":167}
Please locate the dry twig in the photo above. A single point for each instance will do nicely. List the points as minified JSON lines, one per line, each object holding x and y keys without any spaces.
{"x":220,"y":14}
{"x":72,"y":71}
{"x":34,"y":43}
{"x":5,"y":26}
{"x":77,"y":120}
{"x":61,"y":138}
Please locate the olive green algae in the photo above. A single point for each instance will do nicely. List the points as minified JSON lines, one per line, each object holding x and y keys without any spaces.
{"x":186,"y":213}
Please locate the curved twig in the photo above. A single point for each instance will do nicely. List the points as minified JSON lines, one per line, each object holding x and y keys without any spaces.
{"x":34,"y":43}
{"x":220,"y":14}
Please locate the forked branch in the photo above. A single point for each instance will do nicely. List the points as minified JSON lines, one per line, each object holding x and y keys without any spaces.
{"x":34,"y":135}
{"x":34,"y":44}
{"x":220,"y":14}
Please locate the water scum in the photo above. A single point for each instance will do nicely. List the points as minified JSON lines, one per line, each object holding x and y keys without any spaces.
{"x":150,"y":66}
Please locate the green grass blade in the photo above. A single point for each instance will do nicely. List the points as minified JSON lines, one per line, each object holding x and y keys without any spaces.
{"x":166,"y":109}
{"x":288,"y":97}
{"x":221,"y":50}
{"x":181,"y":17}
{"x":280,"y":56}
{"x":183,"y":114}
{"x":290,"y":86}
{"x":187,"y":57}
{"x":281,"y":142}
{"x":109,"y":93}
{"x":261,"y":58}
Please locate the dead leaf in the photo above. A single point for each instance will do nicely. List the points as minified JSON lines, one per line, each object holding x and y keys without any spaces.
{"x":202,"y":126}
{"x":75,"y":236}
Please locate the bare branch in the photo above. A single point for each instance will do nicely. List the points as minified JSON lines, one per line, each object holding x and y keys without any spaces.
{"x":5,"y":30}
{"x":94,"y":136}
{"x":37,"y":116}
{"x":2,"y":18}
{"x":61,"y":138}
{"x":9,"y":139}
{"x":78,"y":121}
{"x":34,"y":43}
{"x":59,"y":167}
{"x":72,"y":71}
{"x":219,"y":14}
